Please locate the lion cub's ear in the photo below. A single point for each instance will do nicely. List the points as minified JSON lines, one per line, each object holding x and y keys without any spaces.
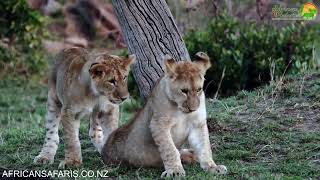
{"x":97,"y":70}
{"x":130,"y":59}
{"x":203,"y":61}
{"x":169,"y":65}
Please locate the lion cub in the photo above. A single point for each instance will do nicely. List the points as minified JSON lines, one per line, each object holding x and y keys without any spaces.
{"x":83,"y":84}
{"x":174,"y":113}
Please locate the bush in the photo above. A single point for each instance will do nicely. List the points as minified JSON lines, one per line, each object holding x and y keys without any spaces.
{"x":247,"y":51}
{"x":22,"y":30}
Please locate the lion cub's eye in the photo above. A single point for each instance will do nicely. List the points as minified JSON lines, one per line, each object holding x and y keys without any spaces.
{"x":112,"y":81}
{"x":199,"y":89}
{"x":125,"y":77}
{"x":185,"y":91}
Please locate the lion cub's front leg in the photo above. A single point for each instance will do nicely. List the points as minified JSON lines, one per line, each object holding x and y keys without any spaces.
{"x":102,"y":123}
{"x":71,"y":137}
{"x":95,"y":131}
{"x":160,"y":130}
{"x":199,"y":141}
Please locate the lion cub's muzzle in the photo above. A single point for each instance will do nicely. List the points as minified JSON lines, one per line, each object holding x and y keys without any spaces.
{"x":190,"y":105}
{"x":119,"y":96}
{"x":119,"y":100}
{"x":187,"y":110}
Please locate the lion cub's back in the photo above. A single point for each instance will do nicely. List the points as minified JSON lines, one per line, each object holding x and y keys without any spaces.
{"x":66,"y":70}
{"x":68,"y":62}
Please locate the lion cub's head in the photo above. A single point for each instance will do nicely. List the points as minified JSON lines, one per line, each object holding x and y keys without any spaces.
{"x":185,"y":81}
{"x":109,"y":76}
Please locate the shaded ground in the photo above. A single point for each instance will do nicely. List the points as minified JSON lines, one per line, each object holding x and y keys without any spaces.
{"x":269,"y":133}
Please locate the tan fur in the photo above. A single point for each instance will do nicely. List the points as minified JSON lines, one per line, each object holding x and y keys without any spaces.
{"x":83,"y":84}
{"x":175,"y":113}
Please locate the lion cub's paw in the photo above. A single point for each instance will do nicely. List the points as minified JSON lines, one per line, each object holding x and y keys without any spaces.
{"x":220,"y":169}
{"x":187,"y":156}
{"x":69,"y":163}
{"x":42,"y":159}
{"x":174,"y":172}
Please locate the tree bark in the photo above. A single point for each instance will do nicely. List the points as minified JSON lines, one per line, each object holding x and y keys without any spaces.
{"x":150,"y":32}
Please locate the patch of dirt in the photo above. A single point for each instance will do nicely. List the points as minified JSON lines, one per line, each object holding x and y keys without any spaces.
{"x":309,"y":115}
{"x":215,"y":127}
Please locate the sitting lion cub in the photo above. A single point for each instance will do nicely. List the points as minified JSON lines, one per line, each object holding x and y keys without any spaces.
{"x":174,"y":113}
{"x":83,"y":84}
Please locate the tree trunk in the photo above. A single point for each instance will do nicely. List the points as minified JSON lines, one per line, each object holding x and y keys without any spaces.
{"x":150,"y":32}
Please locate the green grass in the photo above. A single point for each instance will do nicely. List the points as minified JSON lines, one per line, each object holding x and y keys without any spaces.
{"x":270,"y":133}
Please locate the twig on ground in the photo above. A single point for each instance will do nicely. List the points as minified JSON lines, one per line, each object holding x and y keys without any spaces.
{"x":137,"y":173}
{"x":272,"y":70}
{"x":261,"y":115}
{"x":205,"y":89}
{"x":263,"y":148}
{"x":226,"y":107}
{"x":278,"y":85}
{"x":219,"y":86}
{"x":17,"y":153}
{"x":302,"y":86}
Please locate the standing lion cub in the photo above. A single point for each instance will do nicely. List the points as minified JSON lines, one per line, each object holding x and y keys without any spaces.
{"x":174,"y":113}
{"x":83,"y":84}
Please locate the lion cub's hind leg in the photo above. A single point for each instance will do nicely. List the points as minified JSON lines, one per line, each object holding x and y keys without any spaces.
{"x":50,"y":146}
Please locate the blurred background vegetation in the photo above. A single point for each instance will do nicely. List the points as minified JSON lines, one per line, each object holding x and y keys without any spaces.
{"x":247,"y":48}
{"x":252,"y":54}
{"x":22,"y":31}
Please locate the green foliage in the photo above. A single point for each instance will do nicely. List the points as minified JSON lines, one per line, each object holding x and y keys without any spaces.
{"x":132,"y":86}
{"x":247,"y":51}
{"x":22,"y":30}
